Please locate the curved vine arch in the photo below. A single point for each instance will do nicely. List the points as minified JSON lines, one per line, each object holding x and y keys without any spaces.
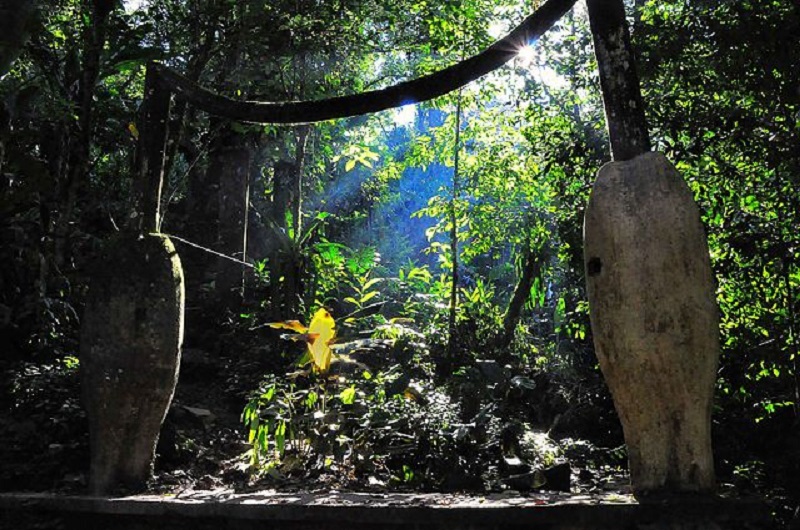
{"x":414,"y":91}
{"x":162,"y":82}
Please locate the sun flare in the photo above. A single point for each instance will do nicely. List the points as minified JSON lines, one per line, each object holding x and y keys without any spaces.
{"x":526,"y":54}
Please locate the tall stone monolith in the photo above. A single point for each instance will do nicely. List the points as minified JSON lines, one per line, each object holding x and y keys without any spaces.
{"x":655,"y":320}
{"x":130,"y":353}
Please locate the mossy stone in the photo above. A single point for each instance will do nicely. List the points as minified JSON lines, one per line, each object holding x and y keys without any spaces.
{"x":131,"y":339}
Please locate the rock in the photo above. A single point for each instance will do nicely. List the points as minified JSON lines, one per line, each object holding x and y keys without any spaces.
{"x":130,"y":351}
{"x":558,"y":477}
{"x":513,"y":465}
{"x":204,"y":416}
{"x":492,"y":372}
{"x":523,"y":382}
{"x":525,"y":481}
{"x":654,"y":320}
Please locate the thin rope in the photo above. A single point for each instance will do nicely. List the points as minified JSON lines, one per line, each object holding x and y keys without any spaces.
{"x":210,"y":251}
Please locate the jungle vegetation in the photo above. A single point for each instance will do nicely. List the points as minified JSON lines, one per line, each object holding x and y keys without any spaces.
{"x":445,"y":238}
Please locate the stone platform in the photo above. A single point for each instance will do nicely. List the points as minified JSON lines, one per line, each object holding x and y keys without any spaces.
{"x":223,"y":509}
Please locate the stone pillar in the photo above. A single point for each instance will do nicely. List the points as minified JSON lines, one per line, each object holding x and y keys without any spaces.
{"x":130,"y":352}
{"x":655,"y":321}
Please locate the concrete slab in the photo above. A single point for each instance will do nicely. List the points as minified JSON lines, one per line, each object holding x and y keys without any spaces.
{"x":356,"y":511}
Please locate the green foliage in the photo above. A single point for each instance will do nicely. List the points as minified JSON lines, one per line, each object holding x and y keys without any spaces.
{"x":315,"y":416}
{"x":270,"y":414}
{"x":720,"y":84}
{"x":342,"y":273}
{"x":44,"y":431}
{"x":729,"y":120}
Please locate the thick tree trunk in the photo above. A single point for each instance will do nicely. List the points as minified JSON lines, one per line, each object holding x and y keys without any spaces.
{"x":285,"y":261}
{"x":622,"y":97}
{"x":287,"y":196}
{"x":230,"y":166}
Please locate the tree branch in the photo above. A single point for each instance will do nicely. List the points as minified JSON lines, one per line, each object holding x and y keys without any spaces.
{"x":414,"y":91}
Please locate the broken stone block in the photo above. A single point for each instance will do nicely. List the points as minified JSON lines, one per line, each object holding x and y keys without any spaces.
{"x":202,"y":416}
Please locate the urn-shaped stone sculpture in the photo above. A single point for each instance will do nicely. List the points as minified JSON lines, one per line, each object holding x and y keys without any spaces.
{"x":655,"y":320}
{"x":130,"y":352}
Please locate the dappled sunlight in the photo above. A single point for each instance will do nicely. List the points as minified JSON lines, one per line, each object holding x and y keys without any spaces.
{"x":133,"y":5}
{"x":404,"y":115}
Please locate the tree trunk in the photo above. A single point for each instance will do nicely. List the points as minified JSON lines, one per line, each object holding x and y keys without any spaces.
{"x":301,"y":136}
{"x":285,"y":260}
{"x":151,"y":152}
{"x":184,"y":113}
{"x":202,"y":214}
{"x":622,"y":98}
{"x":452,"y":345}
{"x":78,"y":173}
{"x":230,"y":166}
{"x":283,"y":194}
{"x":421,"y":89}
{"x":532,"y":269}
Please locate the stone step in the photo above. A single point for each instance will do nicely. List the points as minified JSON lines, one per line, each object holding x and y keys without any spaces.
{"x":219,"y":509}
